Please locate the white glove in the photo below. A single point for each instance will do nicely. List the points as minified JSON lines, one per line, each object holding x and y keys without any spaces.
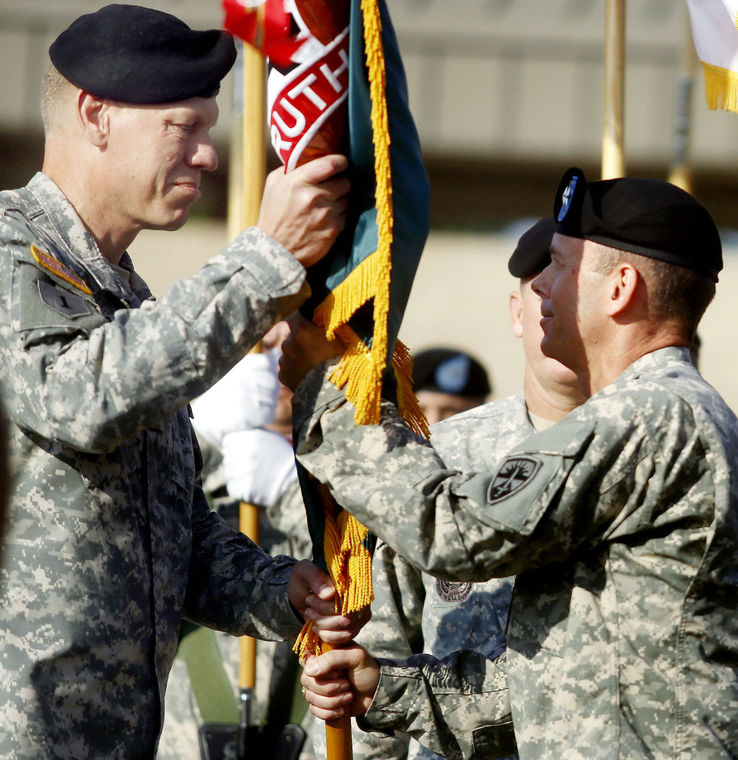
{"x":243,"y":398}
{"x":258,"y":465}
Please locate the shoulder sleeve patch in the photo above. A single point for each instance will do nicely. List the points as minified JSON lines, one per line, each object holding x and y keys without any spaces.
{"x":56,"y":267}
{"x":512,"y":475}
{"x":530,"y":479}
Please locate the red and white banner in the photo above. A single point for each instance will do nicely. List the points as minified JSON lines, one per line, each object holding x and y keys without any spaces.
{"x":303,"y":101}
{"x":306,"y":44}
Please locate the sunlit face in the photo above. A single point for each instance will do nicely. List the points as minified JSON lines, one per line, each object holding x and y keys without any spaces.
{"x":570,"y":289}
{"x":155,"y":159}
{"x":525,"y":314}
{"x":438,"y":406}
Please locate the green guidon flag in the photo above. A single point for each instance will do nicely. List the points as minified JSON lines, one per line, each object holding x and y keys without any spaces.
{"x":336,"y":84}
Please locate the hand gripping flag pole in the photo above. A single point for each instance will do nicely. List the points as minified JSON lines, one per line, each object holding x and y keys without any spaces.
{"x":336,"y":84}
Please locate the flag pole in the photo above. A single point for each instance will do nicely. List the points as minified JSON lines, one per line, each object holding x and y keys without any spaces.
{"x":680,"y":172}
{"x":246,"y":183}
{"x":613,"y":160}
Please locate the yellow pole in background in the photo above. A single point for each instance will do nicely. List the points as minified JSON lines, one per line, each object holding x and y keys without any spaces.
{"x":680,"y":173}
{"x":246,"y":184}
{"x":613,"y":155}
{"x":248,"y":141}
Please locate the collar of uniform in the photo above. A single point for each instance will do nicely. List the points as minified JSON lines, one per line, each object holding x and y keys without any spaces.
{"x":137,"y":283}
{"x":673,"y":356}
{"x":79,"y":243}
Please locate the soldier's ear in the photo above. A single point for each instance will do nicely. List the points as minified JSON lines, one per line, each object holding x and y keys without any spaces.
{"x":623,"y":288}
{"x":94,"y":115}
{"x":515,"y":306}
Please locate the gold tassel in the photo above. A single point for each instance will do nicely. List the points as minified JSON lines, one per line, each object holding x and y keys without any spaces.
{"x":721,"y":87}
{"x":350,"y":566}
{"x":370,"y":279}
{"x":407,"y":402}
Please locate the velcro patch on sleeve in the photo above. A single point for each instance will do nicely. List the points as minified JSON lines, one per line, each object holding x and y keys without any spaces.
{"x":62,"y":301}
{"x":525,"y":484}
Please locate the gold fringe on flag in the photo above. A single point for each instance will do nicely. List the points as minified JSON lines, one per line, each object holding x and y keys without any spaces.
{"x":360,"y":369}
{"x":350,"y":566}
{"x":721,"y":87}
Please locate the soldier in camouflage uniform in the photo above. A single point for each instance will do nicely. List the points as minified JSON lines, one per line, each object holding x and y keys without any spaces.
{"x":619,"y":523}
{"x":111,"y":541}
{"x":4,"y":478}
{"x":436,"y":616}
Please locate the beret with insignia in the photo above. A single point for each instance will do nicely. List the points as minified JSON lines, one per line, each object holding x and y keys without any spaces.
{"x":140,"y":55}
{"x":450,"y":371}
{"x":531,"y":255}
{"x":645,"y":216}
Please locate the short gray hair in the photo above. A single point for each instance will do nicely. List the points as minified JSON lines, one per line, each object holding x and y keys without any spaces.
{"x":54,"y":87}
{"x":674,"y":292}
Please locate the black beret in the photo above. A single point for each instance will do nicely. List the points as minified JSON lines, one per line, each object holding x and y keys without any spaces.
{"x":140,"y":55}
{"x":645,"y":216}
{"x":450,"y":371}
{"x":531,"y":255}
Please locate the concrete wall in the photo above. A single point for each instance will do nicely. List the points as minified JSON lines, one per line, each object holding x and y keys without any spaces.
{"x":491,"y":80}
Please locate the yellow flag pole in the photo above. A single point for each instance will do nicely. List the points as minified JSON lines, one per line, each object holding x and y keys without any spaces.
{"x":246,"y":183}
{"x":338,"y":735}
{"x":613,"y":157}
{"x":680,"y":173}
{"x":338,"y":743}
{"x":248,"y":141}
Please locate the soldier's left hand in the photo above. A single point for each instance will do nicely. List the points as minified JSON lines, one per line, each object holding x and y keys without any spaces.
{"x":311,"y":592}
{"x":304,"y":348}
{"x":340,"y":682}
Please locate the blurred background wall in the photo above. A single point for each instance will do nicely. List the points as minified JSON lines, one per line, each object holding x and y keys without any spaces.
{"x":506,"y":94}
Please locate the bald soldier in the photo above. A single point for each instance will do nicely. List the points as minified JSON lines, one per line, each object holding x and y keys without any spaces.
{"x":620,"y":522}
{"x":111,"y":542}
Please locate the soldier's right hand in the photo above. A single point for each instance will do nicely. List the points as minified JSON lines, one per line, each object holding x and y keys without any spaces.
{"x":305,"y":209}
{"x":340,"y":682}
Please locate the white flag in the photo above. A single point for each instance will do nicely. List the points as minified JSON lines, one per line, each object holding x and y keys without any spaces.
{"x":715,"y":34}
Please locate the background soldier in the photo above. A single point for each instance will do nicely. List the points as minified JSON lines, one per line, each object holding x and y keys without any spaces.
{"x":448,"y":381}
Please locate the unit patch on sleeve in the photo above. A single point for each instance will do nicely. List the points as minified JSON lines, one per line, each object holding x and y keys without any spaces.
{"x":60,"y":300}
{"x":513,"y":474}
{"x":55,"y":266}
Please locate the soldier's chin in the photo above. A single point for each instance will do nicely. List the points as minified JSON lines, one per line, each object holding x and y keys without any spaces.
{"x":547,"y":349}
{"x":177,"y":222}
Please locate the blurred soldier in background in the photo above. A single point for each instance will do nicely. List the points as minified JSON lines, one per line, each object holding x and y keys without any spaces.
{"x":448,"y":381}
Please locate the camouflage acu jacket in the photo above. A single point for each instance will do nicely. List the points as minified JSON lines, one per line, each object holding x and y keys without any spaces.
{"x":111,"y":540}
{"x":414,"y":612}
{"x":620,"y":524}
